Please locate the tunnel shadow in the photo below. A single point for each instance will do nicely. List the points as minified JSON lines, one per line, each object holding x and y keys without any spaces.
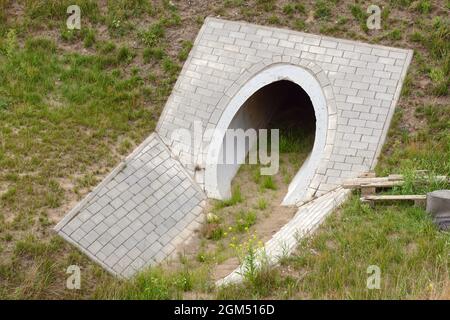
{"x":282,"y":105}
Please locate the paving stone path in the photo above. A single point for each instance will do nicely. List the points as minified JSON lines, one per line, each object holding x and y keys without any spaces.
{"x":361,"y":82}
{"x":139,"y":214}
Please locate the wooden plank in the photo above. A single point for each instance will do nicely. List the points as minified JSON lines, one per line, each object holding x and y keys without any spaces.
{"x":357,"y":182}
{"x":419,"y":200}
{"x":385,"y":182}
{"x":395,"y":197}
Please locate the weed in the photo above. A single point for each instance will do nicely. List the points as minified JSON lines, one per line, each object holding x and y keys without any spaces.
{"x":150,"y":54}
{"x":8,"y":237}
{"x":268,"y":183}
{"x":125,"y":55}
{"x":89,"y":38}
{"x":4,"y":103}
{"x":244,"y":220}
{"x":322,"y":10}
{"x":441,"y":82}
{"x":54,"y":195}
{"x":63,"y":111}
{"x":273,"y":19}
{"x":360,"y":15}
{"x":249,"y":254}
{"x":438,"y":40}
{"x":294,"y":141}
{"x":186,"y":47}
{"x":300,"y":8}
{"x":215,"y":233}
{"x":236,"y":197}
{"x":170,"y":66}
{"x":233,"y":3}
{"x":401,"y":3}
{"x":407,"y":83}
{"x":212,"y":218}
{"x":29,"y":246}
{"x":424,"y":6}
{"x":11,"y":42}
{"x":205,"y":257}
{"x":125,"y":146}
{"x":288,"y":9}
{"x":395,"y":34}
{"x":155,"y":284}
{"x":415,"y":183}
{"x":105,"y":47}
{"x":266,"y":5}
{"x":299,"y":24}
{"x":262,"y":204}
{"x":153,"y":35}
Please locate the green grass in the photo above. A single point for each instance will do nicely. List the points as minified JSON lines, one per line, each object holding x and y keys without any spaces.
{"x":401,"y":240}
{"x":295,"y":141}
{"x":288,"y":9}
{"x":89,"y":39}
{"x":186,"y":47}
{"x":322,"y":10}
{"x":236,"y":197}
{"x":157,"y":284}
{"x":244,"y":220}
{"x":262,"y":204}
{"x":153,"y":35}
{"x":360,"y":14}
{"x":86,"y":96}
{"x":150,"y":54}
{"x":266,"y":5}
{"x":268,"y":183}
{"x":299,"y":24}
{"x":424,"y":6}
{"x":418,"y":151}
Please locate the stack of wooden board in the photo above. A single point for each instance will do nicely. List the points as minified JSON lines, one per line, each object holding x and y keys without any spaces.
{"x":368,"y":183}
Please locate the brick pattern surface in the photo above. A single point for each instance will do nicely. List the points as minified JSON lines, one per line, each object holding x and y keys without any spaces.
{"x":362,"y":83}
{"x":139,"y":216}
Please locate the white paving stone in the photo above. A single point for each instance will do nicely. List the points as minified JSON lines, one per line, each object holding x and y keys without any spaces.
{"x":357,"y":73}
{"x":131,"y":229}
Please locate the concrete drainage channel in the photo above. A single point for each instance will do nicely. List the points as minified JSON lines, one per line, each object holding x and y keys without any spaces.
{"x":154,"y":200}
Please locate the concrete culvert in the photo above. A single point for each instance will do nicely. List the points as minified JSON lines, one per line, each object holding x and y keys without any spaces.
{"x":281,"y":97}
{"x":352,"y":87}
{"x":281,"y":105}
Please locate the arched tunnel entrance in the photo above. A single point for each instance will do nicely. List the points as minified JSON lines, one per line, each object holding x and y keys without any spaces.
{"x":281,"y":105}
{"x":293,"y":103}
{"x":292,"y":110}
